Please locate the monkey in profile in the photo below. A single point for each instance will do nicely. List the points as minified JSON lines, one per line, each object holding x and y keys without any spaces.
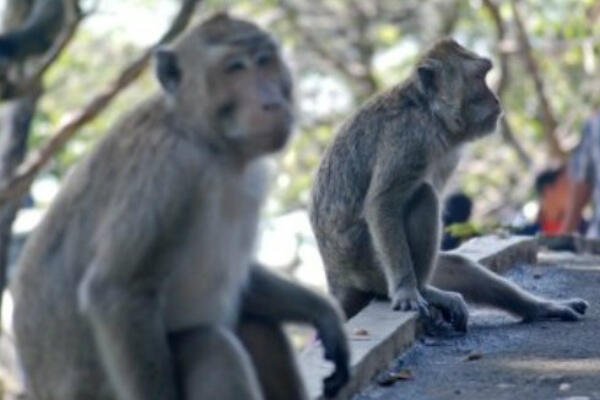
{"x":375,"y":201}
{"x":140,"y":284}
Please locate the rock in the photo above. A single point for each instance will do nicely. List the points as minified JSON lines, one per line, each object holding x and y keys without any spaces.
{"x":564,"y":387}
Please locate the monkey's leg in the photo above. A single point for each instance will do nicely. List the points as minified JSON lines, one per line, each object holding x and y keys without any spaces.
{"x":271,"y":298}
{"x":211,"y":363}
{"x":479,"y":285}
{"x":352,"y":300}
{"x":422,"y":227}
{"x":273,"y":359}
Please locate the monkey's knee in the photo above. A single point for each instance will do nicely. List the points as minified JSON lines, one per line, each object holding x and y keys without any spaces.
{"x":211,"y":363}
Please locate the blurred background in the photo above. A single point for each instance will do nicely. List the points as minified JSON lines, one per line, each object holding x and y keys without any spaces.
{"x":58,"y":101}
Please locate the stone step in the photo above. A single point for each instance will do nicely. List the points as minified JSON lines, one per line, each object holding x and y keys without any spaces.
{"x":378,"y":334}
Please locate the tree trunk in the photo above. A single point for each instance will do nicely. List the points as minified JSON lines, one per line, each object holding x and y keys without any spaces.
{"x":16,"y":116}
{"x":16,"y":123}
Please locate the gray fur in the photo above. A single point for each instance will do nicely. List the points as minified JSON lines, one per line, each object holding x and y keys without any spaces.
{"x":375,"y":200}
{"x":139,"y":282}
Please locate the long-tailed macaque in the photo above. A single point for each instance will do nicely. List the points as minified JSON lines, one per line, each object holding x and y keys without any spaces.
{"x":139,"y":284}
{"x":375,"y":203}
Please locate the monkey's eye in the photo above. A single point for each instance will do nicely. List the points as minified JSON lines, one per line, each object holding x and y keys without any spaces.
{"x":263,"y":59}
{"x":233,"y":66}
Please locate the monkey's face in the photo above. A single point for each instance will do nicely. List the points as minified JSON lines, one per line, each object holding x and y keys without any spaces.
{"x":251,"y":88}
{"x":452,"y":79}
{"x":480,"y":107}
{"x":227,"y":75}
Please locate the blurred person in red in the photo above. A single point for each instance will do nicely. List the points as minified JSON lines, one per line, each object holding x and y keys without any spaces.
{"x":552,"y":186}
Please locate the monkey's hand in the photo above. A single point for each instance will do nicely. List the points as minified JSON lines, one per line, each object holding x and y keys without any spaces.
{"x":451,"y":304}
{"x":409,"y":299}
{"x":332,"y":334}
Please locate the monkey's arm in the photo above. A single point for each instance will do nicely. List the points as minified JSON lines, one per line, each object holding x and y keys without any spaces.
{"x":120,"y":293}
{"x":391,"y":188}
{"x":272,"y":298}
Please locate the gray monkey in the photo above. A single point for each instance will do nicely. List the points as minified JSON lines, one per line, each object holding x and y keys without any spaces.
{"x":375,"y":201}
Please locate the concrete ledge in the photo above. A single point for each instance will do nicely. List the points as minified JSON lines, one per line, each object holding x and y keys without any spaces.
{"x":573,"y":243}
{"x":500,"y":253}
{"x":378,"y":335}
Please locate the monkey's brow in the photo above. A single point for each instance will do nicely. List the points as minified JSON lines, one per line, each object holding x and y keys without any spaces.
{"x":252,"y":40}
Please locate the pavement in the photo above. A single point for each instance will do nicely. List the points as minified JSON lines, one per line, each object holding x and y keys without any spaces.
{"x":502,"y":358}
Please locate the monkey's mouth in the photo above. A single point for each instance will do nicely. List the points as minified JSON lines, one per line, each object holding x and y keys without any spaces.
{"x":280,"y":139}
{"x":281,"y":131}
{"x":492,"y":120}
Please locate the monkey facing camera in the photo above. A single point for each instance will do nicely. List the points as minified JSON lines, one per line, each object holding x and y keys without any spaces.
{"x":375,"y":201}
{"x":140,"y":284}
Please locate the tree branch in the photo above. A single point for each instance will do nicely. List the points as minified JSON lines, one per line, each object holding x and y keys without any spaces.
{"x":549,"y":120}
{"x":505,"y":128}
{"x":316,"y":45}
{"x":27,"y":172}
{"x":10,"y":90}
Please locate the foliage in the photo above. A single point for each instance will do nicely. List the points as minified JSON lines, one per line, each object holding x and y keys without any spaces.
{"x":342,"y":52}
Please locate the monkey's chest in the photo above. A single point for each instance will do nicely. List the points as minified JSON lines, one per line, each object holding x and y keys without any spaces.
{"x":440,"y":171}
{"x":210,"y":268}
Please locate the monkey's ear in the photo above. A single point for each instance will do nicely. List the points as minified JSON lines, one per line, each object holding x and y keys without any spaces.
{"x":429,"y":76}
{"x":167,"y":70}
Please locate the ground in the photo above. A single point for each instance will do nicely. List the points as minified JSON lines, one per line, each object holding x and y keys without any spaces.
{"x":501,"y":358}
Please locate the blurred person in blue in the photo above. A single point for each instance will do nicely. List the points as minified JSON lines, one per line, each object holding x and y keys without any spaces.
{"x":584,"y":173}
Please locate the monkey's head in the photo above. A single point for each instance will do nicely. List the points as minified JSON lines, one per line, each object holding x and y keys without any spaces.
{"x":227,"y":75}
{"x":452,"y":79}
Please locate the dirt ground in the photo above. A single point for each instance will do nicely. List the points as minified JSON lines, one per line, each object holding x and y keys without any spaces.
{"x":501,"y":358}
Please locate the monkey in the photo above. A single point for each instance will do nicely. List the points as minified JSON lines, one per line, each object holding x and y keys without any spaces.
{"x":140,"y":282}
{"x":374,"y":205}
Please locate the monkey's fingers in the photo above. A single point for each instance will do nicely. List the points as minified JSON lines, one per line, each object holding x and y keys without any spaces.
{"x":457,"y":313}
{"x":334,"y":382}
{"x":402,"y":301}
{"x":566,"y":314}
{"x":554,"y":310}
{"x":336,"y":351}
{"x":411,"y":305}
{"x":423,"y":307}
{"x":459,"y":321}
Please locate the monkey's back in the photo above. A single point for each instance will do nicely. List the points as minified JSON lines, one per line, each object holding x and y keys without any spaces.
{"x":386,"y":124}
{"x":54,"y":343}
{"x":345,"y":172}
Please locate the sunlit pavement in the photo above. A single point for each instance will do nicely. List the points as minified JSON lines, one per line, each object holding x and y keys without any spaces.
{"x":501,"y":358}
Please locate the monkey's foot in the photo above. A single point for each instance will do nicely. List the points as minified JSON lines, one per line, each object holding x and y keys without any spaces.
{"x":577,"y":304}
{"x":565,"y":310}
{"x":409,"y":300}
{"x":452,"y":306}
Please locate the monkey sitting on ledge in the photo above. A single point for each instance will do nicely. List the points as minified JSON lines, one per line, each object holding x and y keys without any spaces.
{"x":375,"y":201}
{"x":139,"y":283}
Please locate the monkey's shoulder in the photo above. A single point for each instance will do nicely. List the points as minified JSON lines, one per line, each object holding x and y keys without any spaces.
{"x":397,"y":112}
